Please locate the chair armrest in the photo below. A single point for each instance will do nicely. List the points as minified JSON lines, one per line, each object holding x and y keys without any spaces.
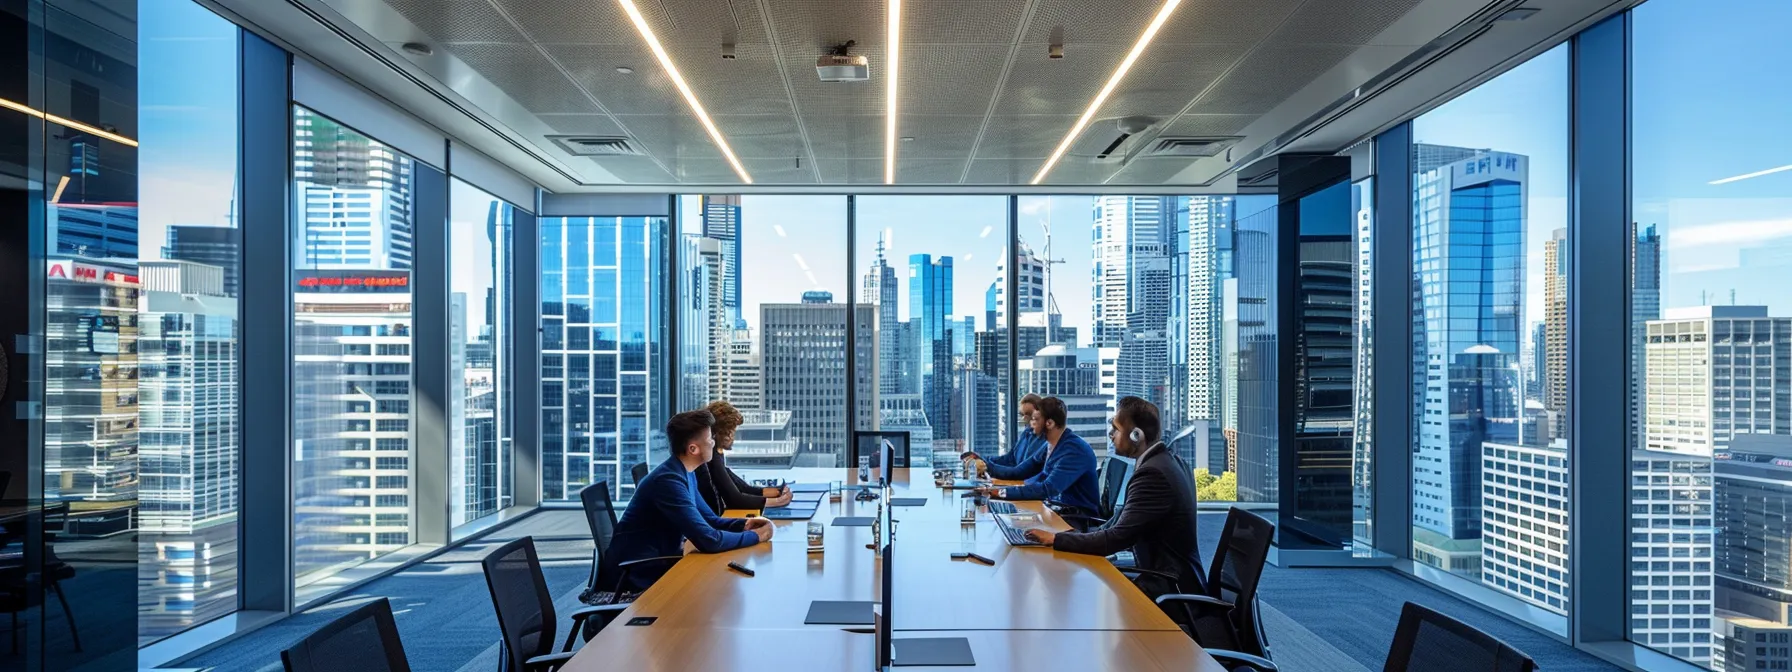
{"x":605,"y":613}
{"x":1198,"y":601}
{"x":1233,"y":660}
{"x":547,"y":663}
{"x":643,"y":561}
{"x":1172,"y":578}
{"x":1069,"y":515}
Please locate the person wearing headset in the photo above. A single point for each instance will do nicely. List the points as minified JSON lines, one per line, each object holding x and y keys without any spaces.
{"x":1158,"y":521}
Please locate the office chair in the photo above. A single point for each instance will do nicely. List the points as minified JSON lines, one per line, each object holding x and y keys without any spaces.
{"x":21,"y":590}
{"x":526,"y":620}
{"x":638,"y":472}
{"x":1113,"y":484}
{"x":364,"y":639}
{"x":1427,"y":640}
{"x":1227,"y":617}
{"x":897,"y":439}
{"x":600,"y":515}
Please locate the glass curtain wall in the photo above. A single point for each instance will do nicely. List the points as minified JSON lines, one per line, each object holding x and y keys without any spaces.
{"x":762,"y":320}
{"x":479,"y":345}
{"x":1711,"y":333}
{"x":354,"y":219}
{"x":932,"y":269}
{"x":602,"y":339}
{"x":1490,"y":334}
{"x":188,"y":264}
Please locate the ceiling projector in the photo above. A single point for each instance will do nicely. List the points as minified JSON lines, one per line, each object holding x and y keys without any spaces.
{"x":842,"y":66}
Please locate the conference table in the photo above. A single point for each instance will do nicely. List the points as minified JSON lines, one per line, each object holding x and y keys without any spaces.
{"x":1036,"y":608}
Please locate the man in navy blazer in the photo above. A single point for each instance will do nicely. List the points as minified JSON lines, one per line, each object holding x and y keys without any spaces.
{"x":667,"y":510}
{"x":1065,"y":471}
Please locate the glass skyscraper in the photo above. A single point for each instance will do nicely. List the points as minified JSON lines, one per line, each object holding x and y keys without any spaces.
{"x":601,"y":299}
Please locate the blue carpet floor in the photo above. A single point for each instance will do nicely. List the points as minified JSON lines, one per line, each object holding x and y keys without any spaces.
{"x":442,"y":607}
{"x":1354,"y":611}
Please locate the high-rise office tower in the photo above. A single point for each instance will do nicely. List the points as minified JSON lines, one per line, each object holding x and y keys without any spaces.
{"x":1255,"y":450}
{"x":880,"y":290}
{"x":1535,"y":350}
{"x":1716,"y":372}
{"x":1144,"y":366}
{"x":803,"y":359}
{"x":94,"y":230}
{"x":1671,"y":525}
{"x":744,"y":389}
{"x":721,"y":221}
{"x":190,"y":433}
{"x":1074,"y":376}
{"x":1208,"y":262}
{"x":983,"y":417}
{"x":1753,"y":562}
{"x":219,"y":246}
{"x":1120,"y":224}
{"x":1525,"y":537}
{"x":90,"y":453}
{"x":1029,"y":273}
{"x":930,"y":336}
{"x":356,"y":195}
{"x":696,"y":301}
{"x":1465,"y":389}
{"x":601,"y":344}
{"x":1555,"y":330}
{"x":352,"y":411}
{"x":1645,"y":305}
{"x":1324,"y":369}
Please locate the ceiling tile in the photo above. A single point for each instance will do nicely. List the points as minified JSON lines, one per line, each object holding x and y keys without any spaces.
{"x":846,"y":136}
{"x":1024,"y":136}
{"x":1190,"y":125}
{"x":671,"y":137}
{"x":647,"y":90}
{"x":570,"y":21}
{"x":1268,"y":77}
{"x":1226,"y":21}
{"x":1167,"y":76}
{"x":937,"y":137}
{"x":1111,"y":23}
{"x":1353,"y":22}
{"x":979,"y":22}
{"x":1040,"y":85}
{"x":526,"y":75}
{"x":458,"y":20}
{"x":950,"y":79}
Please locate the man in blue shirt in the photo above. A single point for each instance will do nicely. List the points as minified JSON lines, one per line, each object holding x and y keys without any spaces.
{"x":666,"y":510}
{"x":1065,"y":471}
{"x":1008,"y":465}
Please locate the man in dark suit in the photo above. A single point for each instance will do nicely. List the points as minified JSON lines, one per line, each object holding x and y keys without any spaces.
{"x":1158,"y":520}
{"x":667,"y":510}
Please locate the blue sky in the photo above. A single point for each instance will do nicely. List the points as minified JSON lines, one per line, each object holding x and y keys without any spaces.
{"x":187,"y":118}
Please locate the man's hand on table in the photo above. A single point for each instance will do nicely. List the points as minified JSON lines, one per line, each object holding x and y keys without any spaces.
{"x":1041,"y":536}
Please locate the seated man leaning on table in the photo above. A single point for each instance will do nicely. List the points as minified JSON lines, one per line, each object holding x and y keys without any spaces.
{"x":1013,"y":464}
{"x":721,"y":488}
{"x":1158,"y":521}
{"x":1064,"y":471}
{"x":667,"y":510}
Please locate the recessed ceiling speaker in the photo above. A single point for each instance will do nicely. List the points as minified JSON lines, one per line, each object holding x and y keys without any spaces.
{"x":841,"y":65}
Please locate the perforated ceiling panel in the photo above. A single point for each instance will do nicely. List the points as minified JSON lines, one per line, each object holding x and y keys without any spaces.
{"x":981,"y":102}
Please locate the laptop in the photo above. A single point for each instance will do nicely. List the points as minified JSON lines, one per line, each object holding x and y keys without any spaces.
{"x":788,"y":513}
{"x":1015,"y":525}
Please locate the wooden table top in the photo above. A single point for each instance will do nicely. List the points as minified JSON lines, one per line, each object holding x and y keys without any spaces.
{"x":707,"y":613}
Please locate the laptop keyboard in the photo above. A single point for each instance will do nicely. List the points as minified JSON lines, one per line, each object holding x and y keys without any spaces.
{"x":1016,"y":537}
{"x":1002,"y":507}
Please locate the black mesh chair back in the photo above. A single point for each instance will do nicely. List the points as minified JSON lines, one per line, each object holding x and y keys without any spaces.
{"x":600,"y":515}
{"x":1427,"y":640}
{"x":867,"y":443}
{"x":520,"y":595}
{"x":365,"y":639}
{"x":1113,"y":484}
{"x":1233,"y":576}
{"x":638,"y":472}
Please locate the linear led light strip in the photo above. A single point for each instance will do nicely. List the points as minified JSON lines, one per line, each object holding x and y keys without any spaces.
{"x":684,"y":89}
{"x":894,"y":40}
{"x":84,"y":128}
{"x":1107,"y":90}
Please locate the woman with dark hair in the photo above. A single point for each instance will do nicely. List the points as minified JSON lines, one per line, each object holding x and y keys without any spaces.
{"x":724,"y":489}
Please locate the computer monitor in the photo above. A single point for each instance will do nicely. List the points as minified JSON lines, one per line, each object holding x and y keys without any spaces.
{"x":871,"y":443}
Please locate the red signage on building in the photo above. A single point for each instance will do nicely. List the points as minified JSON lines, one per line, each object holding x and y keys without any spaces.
{"x":355,"y":281}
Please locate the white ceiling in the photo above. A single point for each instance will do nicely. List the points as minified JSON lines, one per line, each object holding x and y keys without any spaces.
{"x":979,"y":97}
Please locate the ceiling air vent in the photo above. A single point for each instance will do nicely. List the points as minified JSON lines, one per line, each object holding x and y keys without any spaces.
{"x":1191,"y":147}
{"x":595,"y":145}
